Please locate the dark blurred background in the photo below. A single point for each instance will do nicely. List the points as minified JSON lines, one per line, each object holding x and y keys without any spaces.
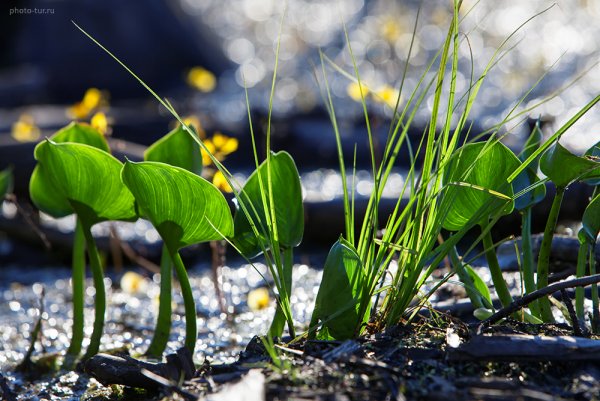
{"x":201,"y":53}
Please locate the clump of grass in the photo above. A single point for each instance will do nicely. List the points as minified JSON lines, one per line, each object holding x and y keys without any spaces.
{"x":446,"y":190}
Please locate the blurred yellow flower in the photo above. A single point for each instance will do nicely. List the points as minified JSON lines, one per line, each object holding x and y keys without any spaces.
{"x":201,"y":79}
{"x":354,"y":89}
{"x":390,"y":29}
{"x":25,"y":130}
{"x":219,"y":146}
{"x":133,"y":283}
{"x":100,"y":123}
{"x":220,"y":182}
{"x":224,"y":144}
{"x":194,"y":121}
{"x":387,"y":95}
{"x":258,"y":299}
{"x":92,"y":100}
{"x":206,"y":160}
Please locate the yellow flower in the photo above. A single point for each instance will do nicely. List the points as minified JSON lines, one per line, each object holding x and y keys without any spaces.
{"x":220,"y":182}
{"x":353,"y":91}
{"x":219,"y":146}
{"x":206,"y":160}
{"x":387,"y":95}
{"x":133,"y":283}
{"x":390,"y":29}
{"x":224,"y":144}
{"x":25,"y":130}
{"x":92,"y":100}
{"x":100,"y":123}
{"x":258,"y":299}
{"x":201,"y":79}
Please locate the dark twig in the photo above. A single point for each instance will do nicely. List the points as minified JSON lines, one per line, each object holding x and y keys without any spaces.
{"x":218,"y":260}
{"x":29,"y":220}
{"x":26,"y":365}
{"x":133,"y":256}
{"x":527,"y":299}
{"x":574,"y":321}
{"x":114,"y":242}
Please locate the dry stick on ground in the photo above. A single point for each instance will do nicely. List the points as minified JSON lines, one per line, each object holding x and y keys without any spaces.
{"x":527,"y":299}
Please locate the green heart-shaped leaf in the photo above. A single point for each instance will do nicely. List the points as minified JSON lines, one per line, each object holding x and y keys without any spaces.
{"x":184,"y":208}
{"x":287,"y":197}
{"x":591,"y":219}
{"x":479,"y":284}
{"x":177,"y":148}
{"x":83,"y":179}
{"x":338,"y":300}
{"x":40,"y":186}
{"x":6,"y":182}
{"x":593,"y":153}
{"x":477,"y":176}
{"x":563,"y":167}
{"x":81,"y":133}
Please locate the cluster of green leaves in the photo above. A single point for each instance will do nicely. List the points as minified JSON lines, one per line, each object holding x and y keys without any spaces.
{"x":458,"y":187}
{"x":76,"y":174}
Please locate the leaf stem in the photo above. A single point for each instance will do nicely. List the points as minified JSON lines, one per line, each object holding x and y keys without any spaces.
{"x":466,"y":279}
{"x":191,"y":331}
{"x":496,"y":272}
{"x":527,"y":248}
{"x":595,"y":303}
{"x":276,"y":329}
{"x":580,"y":272}
{"x":78,"y":284}
{"x":100,"y":297}
{"x":163,"y":320}
{"x":544,"y":256}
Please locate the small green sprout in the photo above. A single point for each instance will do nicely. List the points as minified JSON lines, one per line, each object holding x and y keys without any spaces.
{"x":185,"y":209}
{"x":337,"y":305}
{"x":81,"y":179}
{"x":476,"y":179}
{"x":272,"y":197}
{"x":179,"y":149}
{"x":563,"y":168}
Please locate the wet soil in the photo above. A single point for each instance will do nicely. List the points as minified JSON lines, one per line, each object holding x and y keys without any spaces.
{"x":416,"y":361}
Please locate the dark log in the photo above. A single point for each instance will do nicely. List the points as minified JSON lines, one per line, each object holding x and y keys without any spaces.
{"x":128,"y":371}
{"x":522,"y":348}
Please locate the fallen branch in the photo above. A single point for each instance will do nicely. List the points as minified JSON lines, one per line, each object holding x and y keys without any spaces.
{"x":527,"y":299}
{"x":128,"y":371}
{"x":520,"y":347}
